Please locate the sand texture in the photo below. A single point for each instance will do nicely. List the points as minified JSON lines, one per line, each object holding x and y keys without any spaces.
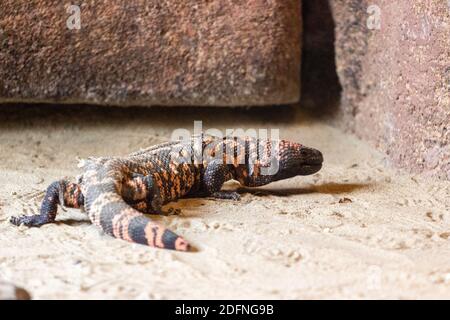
{"x":356,"y":229}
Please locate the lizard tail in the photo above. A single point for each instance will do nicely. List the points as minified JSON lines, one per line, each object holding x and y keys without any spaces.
{"x":107,"y":209}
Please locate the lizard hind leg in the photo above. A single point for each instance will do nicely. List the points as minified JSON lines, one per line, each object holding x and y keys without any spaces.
{"x":60,"y":192}
{"x":107,"y":208}
{"x":141,"y":193}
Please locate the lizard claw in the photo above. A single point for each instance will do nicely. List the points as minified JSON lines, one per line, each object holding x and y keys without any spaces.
{"x":227,"y":195}
{"x":29,"y":221}
{"x":171,"y":211}
{"x":15,"y":221}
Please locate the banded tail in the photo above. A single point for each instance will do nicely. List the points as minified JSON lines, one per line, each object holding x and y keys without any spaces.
{"x":107,"y":209}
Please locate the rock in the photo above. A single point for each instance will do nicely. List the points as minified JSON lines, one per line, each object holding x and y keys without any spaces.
{"x":9,"y":291}
{"x":396,"y":79}
{"x":206,"y":53}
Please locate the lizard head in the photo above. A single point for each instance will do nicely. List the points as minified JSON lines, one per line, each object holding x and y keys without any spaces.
{"x":297,"y":160}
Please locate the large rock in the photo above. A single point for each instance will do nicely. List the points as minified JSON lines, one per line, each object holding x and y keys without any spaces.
{"x":396,"y":80}
{"x":8,"y":291}
{"x":149,"y":52}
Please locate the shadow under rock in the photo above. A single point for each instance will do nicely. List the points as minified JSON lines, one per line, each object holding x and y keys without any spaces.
{"x":57,"y":116}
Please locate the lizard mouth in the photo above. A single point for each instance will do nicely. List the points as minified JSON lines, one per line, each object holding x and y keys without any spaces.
{"x":308,"y":169}
{"x":312,"y":162}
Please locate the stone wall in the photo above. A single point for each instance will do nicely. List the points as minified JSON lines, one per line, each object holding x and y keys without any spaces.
{"x":396,"y":79}
{"x":153,"y":52}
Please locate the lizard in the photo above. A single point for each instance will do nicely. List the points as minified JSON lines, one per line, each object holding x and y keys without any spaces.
{"x":118,"y":192}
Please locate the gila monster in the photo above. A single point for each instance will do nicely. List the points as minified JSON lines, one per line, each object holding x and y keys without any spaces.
{"x":117,"y":192}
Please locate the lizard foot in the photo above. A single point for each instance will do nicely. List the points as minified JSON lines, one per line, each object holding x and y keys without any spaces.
{"x":227,"y":195}
{"x":171,"y":212}
{"x":30,"y":221}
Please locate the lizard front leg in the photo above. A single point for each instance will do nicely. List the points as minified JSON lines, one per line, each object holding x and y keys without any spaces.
{"x":215,"y":175}
{"x":59,"y":192}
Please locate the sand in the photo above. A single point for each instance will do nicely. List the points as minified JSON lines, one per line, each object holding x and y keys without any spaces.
{"x":356,"y":229}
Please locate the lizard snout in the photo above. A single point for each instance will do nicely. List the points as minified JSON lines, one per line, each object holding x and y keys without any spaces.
{"x":310,"y":161}
{"x":311,"y":156}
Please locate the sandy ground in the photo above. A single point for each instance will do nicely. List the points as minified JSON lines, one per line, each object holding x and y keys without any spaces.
{"x":357,"y":229}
